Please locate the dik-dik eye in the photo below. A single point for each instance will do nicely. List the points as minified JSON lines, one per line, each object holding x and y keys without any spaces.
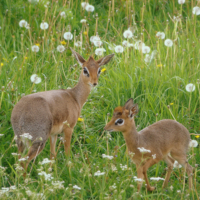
{"x":119,"y":122}
{"x":86,"y":72}
{"x":99,"y":71}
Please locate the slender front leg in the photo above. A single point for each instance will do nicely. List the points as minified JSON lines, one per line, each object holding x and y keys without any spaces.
{"x":140,"y":175}
{"x":67,"y":139}
{"x":53,"y":139}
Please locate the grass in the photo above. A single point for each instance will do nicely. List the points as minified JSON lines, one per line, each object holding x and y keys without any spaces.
{"x":153,"y":85}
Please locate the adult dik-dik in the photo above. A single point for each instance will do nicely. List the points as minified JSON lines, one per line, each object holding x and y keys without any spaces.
{"x":44,"y":115}
{"x":165,"y":140}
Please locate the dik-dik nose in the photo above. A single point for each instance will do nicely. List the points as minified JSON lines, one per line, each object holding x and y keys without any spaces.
{"x":94,"y":84}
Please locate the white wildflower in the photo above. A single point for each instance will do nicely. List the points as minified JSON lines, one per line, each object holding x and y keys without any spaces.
{"x":119,"y":49}
{"x":143,"y":150}
{"x":193,"y":143}
{"x":47,"y":177}
{"x":168,"y":42}
{"x":154,"y":156}
{"x":89,"y":8}
{"x":177,"y":165}
{"x":196,"y":10}
{"x":35,"y":48}
{"x":15,"y":154}
{"x":125,"y":43}
{"x":160,"y":35}
{"x":113,"y":167}
{"x":178,"y":191}
{"x":78,"y":43}
{"x":147,"y":58}
{"x":181,"y":1}
{"x":58,"y":184}
{"x":29,"y":193}
{"x":27,"y":26}
{"x":123,"y":167}
{"x":94,"y":38}
{"x":23,"y":23}
{"x":44,"y":25}
{"x":13,"y":187}
{"x":83,"y":21}
{"x":45,"y":161}
{"x":24,"y":159}
{"x":113,"y":186}
{"x":63,"y":15}
{"x":156,"y":178}
{"x":190,"y":87}
{"x":138,"y":179}
{"x":107,"y":156}
{"x":60,"y":48}
{"x":98,"y":43}
{"x":26,"y":135}
{"x":1,"y":135}
{"x":171,"y":188}
{"x":145,"y":49}
{"x":99,"y":51}
{"x":68,"y":35}
{"x":139,"y":45}
{"x":76,"y":187}
{"x":35,"y":79}
{"x":128,"y":34}
{"x":98,"y":173}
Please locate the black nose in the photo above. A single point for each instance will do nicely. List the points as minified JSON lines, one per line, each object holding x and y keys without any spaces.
{"x":94,"y":84}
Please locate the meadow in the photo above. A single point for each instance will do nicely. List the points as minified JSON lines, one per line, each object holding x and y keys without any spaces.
{"x":157,"y":63}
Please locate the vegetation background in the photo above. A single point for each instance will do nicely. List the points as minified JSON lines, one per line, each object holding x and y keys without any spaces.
{"x":158,"y":86}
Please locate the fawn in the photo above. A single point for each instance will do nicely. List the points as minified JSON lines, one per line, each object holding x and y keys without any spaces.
{"x":160,"y":139}
{"x":46,"y":114}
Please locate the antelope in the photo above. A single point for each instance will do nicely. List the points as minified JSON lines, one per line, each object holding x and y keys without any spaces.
{"x":46,"y":114}
{"x":166,"y":140}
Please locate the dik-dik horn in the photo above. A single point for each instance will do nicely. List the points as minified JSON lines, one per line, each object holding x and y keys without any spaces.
{"x":165,"y":140}
{"x":46,"y":114}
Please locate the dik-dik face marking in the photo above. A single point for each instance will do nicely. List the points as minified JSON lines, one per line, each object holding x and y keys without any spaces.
{"x":91,"y":68}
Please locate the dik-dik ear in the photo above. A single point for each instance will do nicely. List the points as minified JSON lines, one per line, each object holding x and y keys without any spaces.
{"x":78,"y":57}
{"x":133,"y":111}
{"x":129,"y":104}
{"x":105,"y":60}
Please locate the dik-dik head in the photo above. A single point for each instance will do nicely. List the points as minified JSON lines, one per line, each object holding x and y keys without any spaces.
{"x":123,"y":117}
{"x":91,"y":68}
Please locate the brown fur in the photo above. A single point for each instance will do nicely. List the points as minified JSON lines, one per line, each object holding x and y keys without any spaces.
{"x":161,"y":138}
{"x":45,"y":114}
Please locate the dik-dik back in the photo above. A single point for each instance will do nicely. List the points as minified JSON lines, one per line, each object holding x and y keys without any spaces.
{"x":46,"y":114}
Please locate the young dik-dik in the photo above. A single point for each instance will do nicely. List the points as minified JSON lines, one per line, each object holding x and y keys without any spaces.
{"x":43,"y":115}
{"x":165,"y":140}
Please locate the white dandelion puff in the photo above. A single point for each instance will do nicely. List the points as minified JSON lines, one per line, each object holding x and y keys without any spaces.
{"x":35,"y":48}
{"x":168,"y":42}
{"x":128,"y":34}
{"x":89,"y":8}
{"x":23,"y":23}
{"x":78,"y":43}
{"x":99,"y":51}
{"x":125,"y":43}
{"x":68,"y":35}
{"x":83,"y":21}
{"x":63,"y":14}
{"x":160,"y":35}
{"x":44,"y":25}
{"x":139,"y":45}
{"x":98,"y":43}
{"x":119,"y":49}
{"x":181,"y":1}
{"x":35,"y":79}
{"x":84,"y":4}
{"x":190,"y":87}
{"x":60,"y":48}
{"x":196,"y":10}
{"x":145,"y":49}
{"x":193,"y":143}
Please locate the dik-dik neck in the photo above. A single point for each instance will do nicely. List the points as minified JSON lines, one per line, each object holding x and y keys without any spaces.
{"x":81,"y":92}
{"x":132,"y":138}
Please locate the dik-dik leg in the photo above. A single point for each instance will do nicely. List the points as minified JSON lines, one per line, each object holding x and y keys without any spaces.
{"x":53,"y":139}
{"x":67,"y":139}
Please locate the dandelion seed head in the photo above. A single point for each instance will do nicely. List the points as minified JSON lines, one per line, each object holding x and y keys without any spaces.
{"x":190,"y":87}
{"x":168,"y":42}
{"x":181,"y":1}
{"x":44,"y":25}
{"x":68,"y":35}
{"x":160,"y":35}
{"x":83,"y":21}
{"x":35,"y":79}
{"x":63,"y":14}
{"x":60,"y":48}
{"x":35,"y":48}
{"x":89,"y":8}
{"x":145,"y":49}
{"x":119,"y":49}
{"x":196,"y":10}
{"x":23,"y":23}
{"x":78,"y":43}
{"x":84,"y":4}
{"x":99,"y":51}
{"x":176,"y":165}
{"x":193,"y":143}
{"x":128,"y":34}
